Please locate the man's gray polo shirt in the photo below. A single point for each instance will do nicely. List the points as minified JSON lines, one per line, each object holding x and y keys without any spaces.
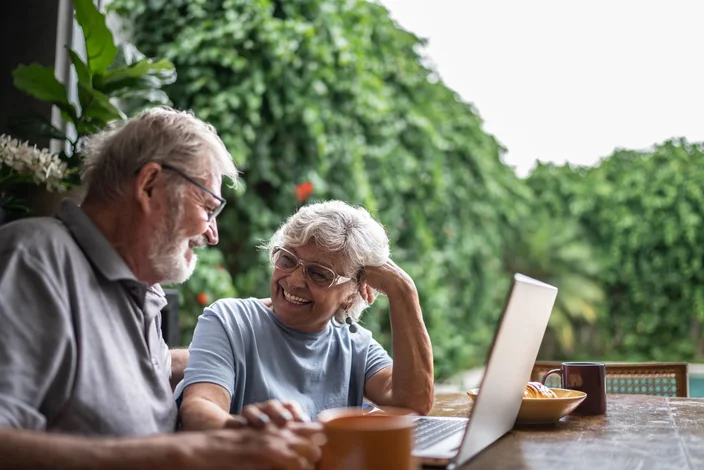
{"x":81,"y":349}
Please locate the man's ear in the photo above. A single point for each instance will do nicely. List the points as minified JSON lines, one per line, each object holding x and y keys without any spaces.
{"x":144,"y":183}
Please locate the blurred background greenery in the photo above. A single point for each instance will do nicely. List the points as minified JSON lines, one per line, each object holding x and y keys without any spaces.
{"x":322,"y":99}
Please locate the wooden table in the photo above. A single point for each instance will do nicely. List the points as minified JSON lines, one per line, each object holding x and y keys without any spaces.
{"x":638,"y":432}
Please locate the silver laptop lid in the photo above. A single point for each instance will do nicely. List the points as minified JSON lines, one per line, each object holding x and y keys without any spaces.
{"x":511,"y":358}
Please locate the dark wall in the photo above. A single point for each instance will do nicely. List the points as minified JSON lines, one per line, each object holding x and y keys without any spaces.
{"x":27,"y":34}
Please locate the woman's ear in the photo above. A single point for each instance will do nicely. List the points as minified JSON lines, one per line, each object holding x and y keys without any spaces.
{"x":348,"y":302}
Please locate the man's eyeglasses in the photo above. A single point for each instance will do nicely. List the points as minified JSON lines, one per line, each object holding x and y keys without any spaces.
{"x":212,"y":213}
{"x":314,"y":273}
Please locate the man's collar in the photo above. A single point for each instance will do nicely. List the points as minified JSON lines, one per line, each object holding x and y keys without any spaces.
{"x":99,"y":251}
{"x":155,"y":301}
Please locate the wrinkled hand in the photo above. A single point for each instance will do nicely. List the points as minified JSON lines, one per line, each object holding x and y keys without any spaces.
{"x":387,"y":278}
{"x":258,"y":415}
{"x":270,"y":448}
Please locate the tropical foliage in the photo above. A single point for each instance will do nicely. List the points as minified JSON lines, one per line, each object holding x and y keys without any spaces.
{"x":114,"y":81}
{"x":554,"y":251}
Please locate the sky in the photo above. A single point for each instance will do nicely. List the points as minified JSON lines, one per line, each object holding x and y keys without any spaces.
{"x":565,"y":81}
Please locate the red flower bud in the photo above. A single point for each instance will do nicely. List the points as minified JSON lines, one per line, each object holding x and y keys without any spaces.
{"x":304,"y":190}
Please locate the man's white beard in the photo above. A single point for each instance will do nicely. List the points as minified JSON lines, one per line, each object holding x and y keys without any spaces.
{"x":167,"y":254}
{"x":170,"y":262}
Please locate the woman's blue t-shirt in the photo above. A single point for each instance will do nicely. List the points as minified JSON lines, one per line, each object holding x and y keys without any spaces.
{"x":242,"y":346}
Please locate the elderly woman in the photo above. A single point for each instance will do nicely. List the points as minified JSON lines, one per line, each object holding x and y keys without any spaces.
{"x":303,"y":345}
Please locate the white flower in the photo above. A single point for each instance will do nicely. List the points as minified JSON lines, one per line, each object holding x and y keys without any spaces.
{"x":42,"y":166}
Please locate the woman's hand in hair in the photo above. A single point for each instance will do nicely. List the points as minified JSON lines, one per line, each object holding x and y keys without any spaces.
{"x":386,"y":279}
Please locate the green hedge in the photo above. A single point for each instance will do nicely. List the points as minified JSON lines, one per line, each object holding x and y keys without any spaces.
{"x":644,"y":213}
{"x":336,"y":94}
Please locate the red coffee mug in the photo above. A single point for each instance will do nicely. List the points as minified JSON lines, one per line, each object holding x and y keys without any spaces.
{"x":587,"y":377}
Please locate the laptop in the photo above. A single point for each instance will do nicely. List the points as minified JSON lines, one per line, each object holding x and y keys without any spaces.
{"x":451,"y":442}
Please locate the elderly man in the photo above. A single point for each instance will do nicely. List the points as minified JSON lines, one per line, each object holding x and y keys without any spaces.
{"x":81,"y":352}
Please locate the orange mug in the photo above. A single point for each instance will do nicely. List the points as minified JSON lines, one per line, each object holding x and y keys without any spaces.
{"x":376,"y":441}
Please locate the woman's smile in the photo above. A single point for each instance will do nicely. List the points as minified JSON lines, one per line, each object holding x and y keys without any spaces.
{"x":294,"y":299}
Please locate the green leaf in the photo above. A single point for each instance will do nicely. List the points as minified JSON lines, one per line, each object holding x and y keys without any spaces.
{"x":126,"y":85}
{"x":32,"y":124}
{"x":132,"y":70}
{"x":144,"y":67}
{"x":127,"y":54}
{"x":85,"y":86}
{"x":82,"y":70}
{"x":100,"y":45}
{"x":99,"y":107}
{"x":85,"y":95}
{"x":67,"y":117}
{"x":89,"y":127}
{"x":39,"y":81}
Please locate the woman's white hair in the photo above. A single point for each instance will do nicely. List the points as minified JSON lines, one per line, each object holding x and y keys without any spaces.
{"x":338,"y":229}
{"x":161,"y":135}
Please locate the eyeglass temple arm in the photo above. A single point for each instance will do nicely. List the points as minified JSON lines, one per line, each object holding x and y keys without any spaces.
{"x":341,"y":279}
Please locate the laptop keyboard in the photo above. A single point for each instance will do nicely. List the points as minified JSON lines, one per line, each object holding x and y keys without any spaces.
{"x":431,"y":431}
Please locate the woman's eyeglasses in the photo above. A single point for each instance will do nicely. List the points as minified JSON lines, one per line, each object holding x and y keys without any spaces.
{"x":314,"y":273}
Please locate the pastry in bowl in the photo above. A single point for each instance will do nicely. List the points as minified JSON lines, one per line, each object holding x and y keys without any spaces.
{"x":538,"y":390}
{"x":537,"y":410}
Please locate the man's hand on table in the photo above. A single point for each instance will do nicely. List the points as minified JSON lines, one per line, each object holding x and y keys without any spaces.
{"x":270,"y":448}
{"x":279,"y":432}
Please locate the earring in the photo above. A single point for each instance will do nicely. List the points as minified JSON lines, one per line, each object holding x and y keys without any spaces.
{"x":353,"y":327}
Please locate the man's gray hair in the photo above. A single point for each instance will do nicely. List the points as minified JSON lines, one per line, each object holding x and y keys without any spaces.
{"x":338,"y":229}
{"x":161,"y":135}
